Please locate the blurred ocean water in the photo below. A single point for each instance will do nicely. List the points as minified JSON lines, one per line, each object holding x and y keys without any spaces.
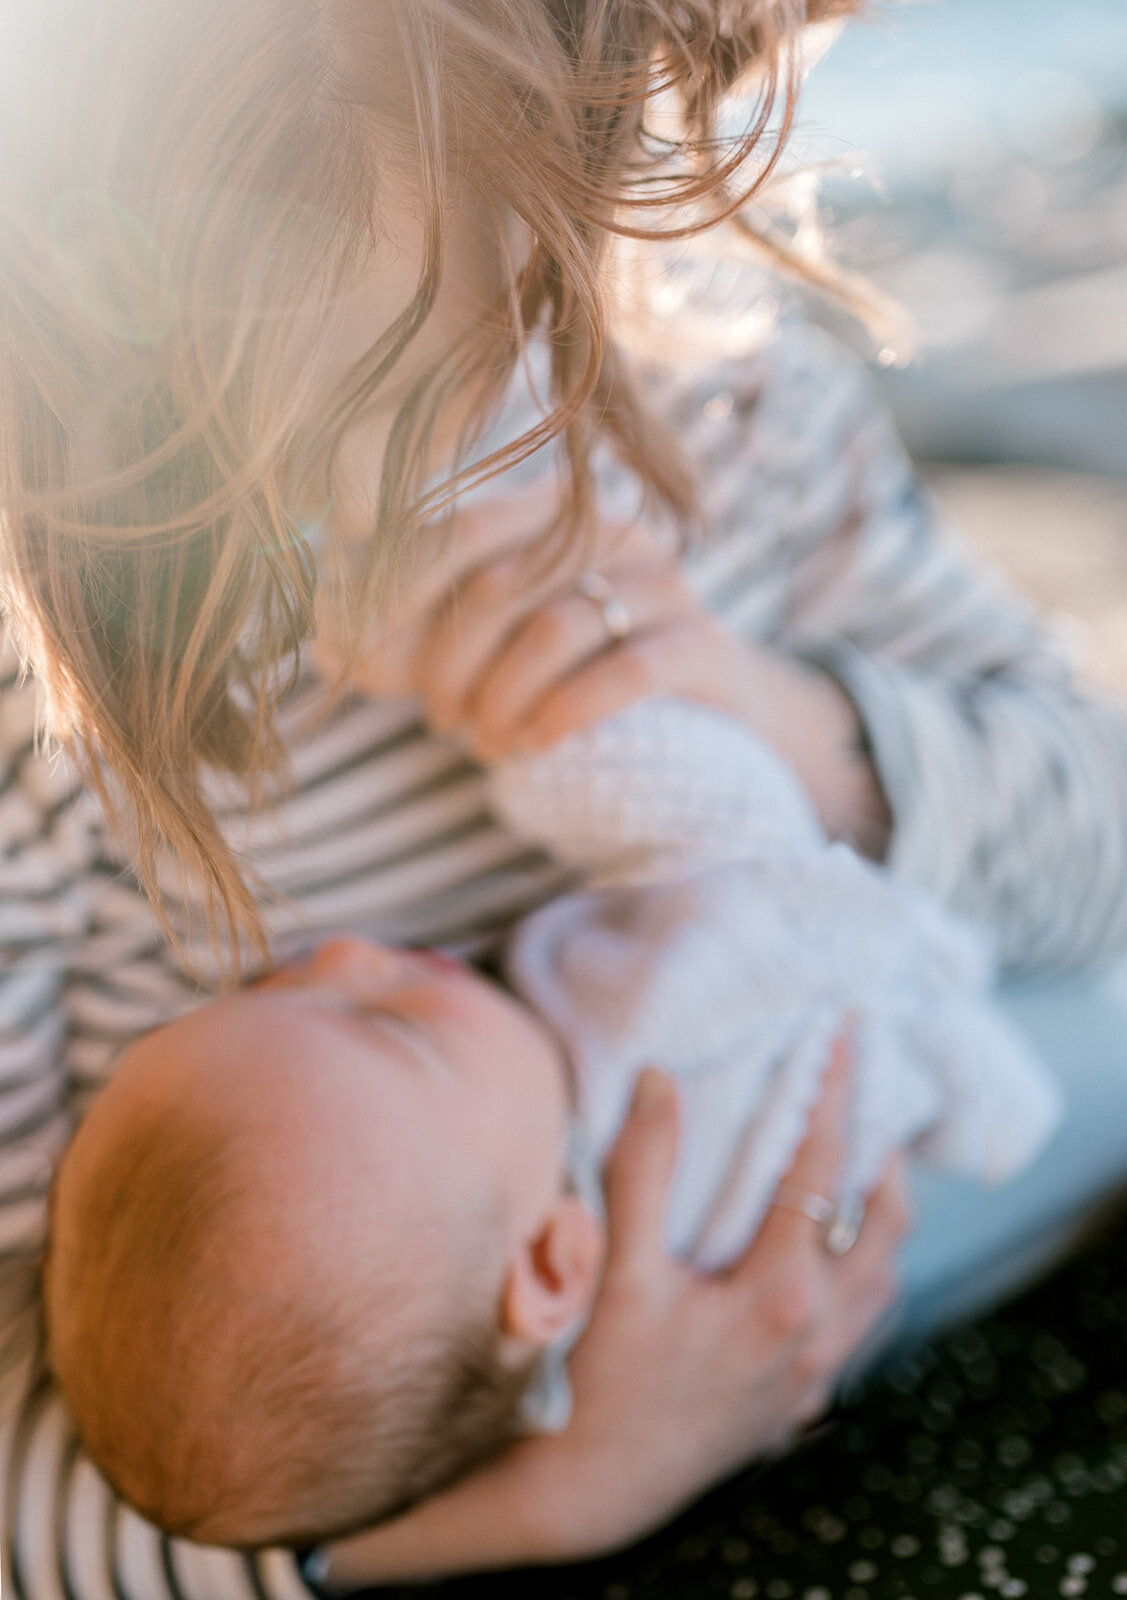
{"x":927,"y":85}
{"x":978,"y":156}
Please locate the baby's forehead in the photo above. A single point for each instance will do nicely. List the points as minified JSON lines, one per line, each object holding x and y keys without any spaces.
{"x":246,"y":1057}
{"x":269,"y":1073}
{"x":240,"y":1033}
{"x":294,"y":1060}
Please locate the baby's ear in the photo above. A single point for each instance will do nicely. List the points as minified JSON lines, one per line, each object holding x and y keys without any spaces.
{"x":552,"y":1276}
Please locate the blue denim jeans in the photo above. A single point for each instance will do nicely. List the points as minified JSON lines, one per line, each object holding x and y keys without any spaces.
{"x":973,"y":1245}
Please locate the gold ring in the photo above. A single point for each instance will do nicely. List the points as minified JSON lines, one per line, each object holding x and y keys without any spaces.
{"x":839,"y":1221}
{"x":616,"y":616}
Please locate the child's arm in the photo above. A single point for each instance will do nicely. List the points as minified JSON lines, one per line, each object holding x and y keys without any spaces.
{"x":660,"y":792}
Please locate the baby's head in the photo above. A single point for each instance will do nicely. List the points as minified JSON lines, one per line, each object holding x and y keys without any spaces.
{"x":308,"y":1242}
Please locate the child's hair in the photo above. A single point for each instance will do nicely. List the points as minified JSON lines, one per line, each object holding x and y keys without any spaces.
{"x":186,"y":191}
{"x":237,"y":1410}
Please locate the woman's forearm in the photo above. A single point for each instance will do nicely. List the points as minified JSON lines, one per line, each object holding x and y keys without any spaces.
{"x":500,"y":1516}
{"x":1006,"y":779}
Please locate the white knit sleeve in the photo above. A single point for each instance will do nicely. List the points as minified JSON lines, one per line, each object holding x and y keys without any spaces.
{"x":666,"y":788}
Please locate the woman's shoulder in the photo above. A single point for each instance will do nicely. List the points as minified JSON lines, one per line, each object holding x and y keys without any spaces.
{"x":788,"y":444}
{"x":799,"y":386}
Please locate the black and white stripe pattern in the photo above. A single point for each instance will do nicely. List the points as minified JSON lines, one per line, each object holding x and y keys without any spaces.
{"x":1009,"y":788}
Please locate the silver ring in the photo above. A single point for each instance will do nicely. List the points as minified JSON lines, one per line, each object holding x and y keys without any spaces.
{"x":616,"y":616}
{"x":839,"y":1221}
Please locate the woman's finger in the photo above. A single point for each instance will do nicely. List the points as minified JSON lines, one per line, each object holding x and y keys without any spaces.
{"x":559,"y":641}
{"x":815,"y":1170}
{"x":676,"y":656}
{"x":886,"y":1222}
{"x":862,"y":1284}
{"x":888,"y":1211}
{"x":818,"y":1160}
{"x":638,"y":1176}
{"x":442,"y":557}
{"x":466,"y":633}
{"x":446,"y":551}
{"x":478,"y":614}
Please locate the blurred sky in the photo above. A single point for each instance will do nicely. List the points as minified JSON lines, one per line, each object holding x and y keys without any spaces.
{"x":992,"y":135}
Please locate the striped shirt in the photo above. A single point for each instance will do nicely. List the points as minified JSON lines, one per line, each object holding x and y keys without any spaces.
{"x":1008,"y":786}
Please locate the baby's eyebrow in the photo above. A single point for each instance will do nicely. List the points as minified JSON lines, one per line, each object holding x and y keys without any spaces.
{"x":404,"y":1030}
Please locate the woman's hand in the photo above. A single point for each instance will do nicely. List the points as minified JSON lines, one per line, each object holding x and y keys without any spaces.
{"x":679,"y":1379}
{"x":519,"y":673}
{"x":514,"y":660}
{"x":682,"y":1378}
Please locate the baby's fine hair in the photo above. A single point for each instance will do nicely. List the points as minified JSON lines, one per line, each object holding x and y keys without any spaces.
{"x":244,"y":1415}
{"x":186,"y":193}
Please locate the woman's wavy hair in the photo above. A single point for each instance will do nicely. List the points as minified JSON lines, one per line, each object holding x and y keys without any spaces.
{"x":186,"y":193}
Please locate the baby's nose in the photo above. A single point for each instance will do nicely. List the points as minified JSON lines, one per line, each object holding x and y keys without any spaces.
{"x":349,"y":962}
